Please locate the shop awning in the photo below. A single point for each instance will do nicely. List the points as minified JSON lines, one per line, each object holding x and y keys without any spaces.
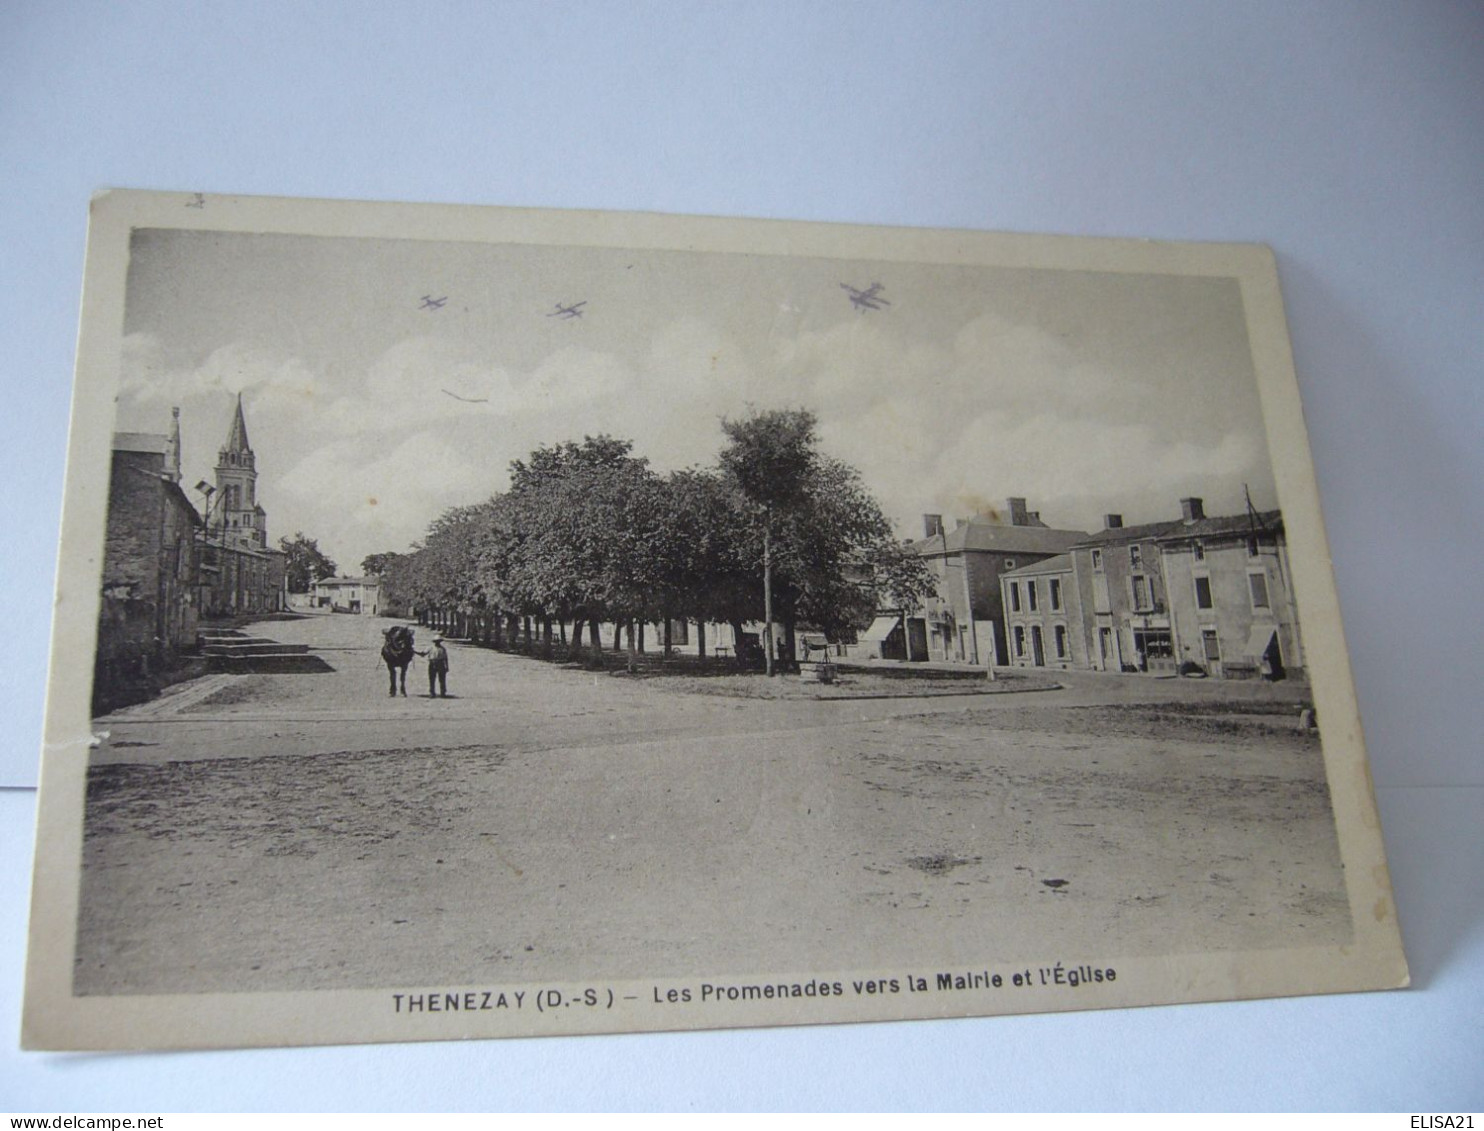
{"x":1259,"y":639}
{"x":880,"y":629}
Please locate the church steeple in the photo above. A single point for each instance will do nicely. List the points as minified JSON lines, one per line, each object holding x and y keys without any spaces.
{"x":236,"y":445}
{"x":242,"y":520}
{"x":172,"y":447}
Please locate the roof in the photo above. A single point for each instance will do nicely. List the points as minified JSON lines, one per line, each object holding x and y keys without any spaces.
{"x":1000,"y":538}
{"x":1118,"y":535}
{"x":341,"y":582}
{"x":237,"y":437}
{"x":1062,"y":563}
{"x":154,"y":443}
{"x":1239,"y":525}
{"x":1212,"y":527}
{"x":182,"y":500}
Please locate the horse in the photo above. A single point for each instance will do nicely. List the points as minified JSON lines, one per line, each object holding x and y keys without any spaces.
{"x":396,"y":652}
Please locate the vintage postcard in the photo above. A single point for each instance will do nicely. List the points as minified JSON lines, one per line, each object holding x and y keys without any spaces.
{"x":475,"y":623}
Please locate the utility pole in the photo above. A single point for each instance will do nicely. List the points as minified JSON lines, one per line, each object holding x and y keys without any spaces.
{"x":767,"y":590}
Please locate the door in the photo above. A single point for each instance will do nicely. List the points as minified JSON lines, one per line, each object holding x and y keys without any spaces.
{"x":1038,"y":647}
{"x":1212,"y":649}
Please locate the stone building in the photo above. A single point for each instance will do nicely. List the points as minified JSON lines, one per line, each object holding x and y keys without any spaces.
{"x":1231,"y":594}
{"x":1043,"y":615}
{"x":1213,"y":592}
{"x":1121,"y":587}
{"x":348,"y":595}
{"x":965,"y":620}
{"x":150,"y":603}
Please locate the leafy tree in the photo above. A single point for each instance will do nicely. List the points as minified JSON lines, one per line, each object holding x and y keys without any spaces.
{"x":769,"y":458}
{"x":306,"y":564}
{"x":702,"y":575}
{"x":445,"y":567}
{"x":583,"y":534}
{"x":394,"y":571}
{"x":380,"y":565}
{"x":824,"y":547}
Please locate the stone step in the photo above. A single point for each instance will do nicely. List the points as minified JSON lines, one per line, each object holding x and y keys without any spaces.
{"x":256,"y":648}
{"x":273,"y":663}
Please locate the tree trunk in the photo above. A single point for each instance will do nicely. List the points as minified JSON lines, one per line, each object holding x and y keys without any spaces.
{"x":641,"y":636}
{"x":617,"y":635}
{"x":790,"y":643}
{"x":701,"y":639}
{"x":597,"y":642}
{"x":633,"y":659}
{"x":669,"y":637}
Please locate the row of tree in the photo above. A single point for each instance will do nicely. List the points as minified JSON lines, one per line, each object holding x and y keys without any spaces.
{"x":589,"y":534}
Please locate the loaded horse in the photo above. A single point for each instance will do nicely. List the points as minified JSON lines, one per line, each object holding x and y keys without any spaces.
{"x":396,"y":651}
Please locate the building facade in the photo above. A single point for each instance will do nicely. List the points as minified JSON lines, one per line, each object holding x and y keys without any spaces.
{"x":1196,"y":594}
{"x":1044,"y":625}
{"x":1121,"y":587}
{"x":964,"y":621}
{"x":348,"y":595}
{"x":1231,"y":595}
{"x":149,"y":605}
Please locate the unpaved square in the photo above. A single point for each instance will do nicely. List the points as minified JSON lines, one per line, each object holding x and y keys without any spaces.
{"x":558,"y":826}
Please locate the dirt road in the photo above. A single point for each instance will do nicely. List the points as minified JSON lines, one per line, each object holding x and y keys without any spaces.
{"x":305,"y":831}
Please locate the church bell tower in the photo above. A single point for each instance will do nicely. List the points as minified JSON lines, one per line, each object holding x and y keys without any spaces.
{"x":241,"y":519}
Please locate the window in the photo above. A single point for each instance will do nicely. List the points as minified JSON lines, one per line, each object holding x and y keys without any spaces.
{"x":1136,"y":557}
{"x":1009,"y":564}
{"x":1210,"y":645}
{"x":1061,"y":642}
{"x":1097,"y":560}
{"x":1141,"y":592}
{"x":1258,"y":583}
{"x":1199,"y":551}
{"x":1203,"y":593}
{"x":1252,"y":546}
{"x":1032,"y":602}
{"x":1014,"y":597}
{"x":1055,"y":584}
{"x":1019,"y":640}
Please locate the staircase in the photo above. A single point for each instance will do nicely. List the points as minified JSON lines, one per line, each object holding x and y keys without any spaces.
{"x":231,"y":650}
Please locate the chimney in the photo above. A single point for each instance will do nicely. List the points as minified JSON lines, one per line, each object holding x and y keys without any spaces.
{"x":1017,"y":512}
{"x":1112,"y":521}
{"x":1192,"y":510}
{"x":932,"y":525}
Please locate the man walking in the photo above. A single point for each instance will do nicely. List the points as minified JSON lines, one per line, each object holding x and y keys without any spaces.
{"x":437,"y":669}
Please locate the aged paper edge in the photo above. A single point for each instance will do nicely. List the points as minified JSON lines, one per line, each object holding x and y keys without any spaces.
{"x":55,"y":1019}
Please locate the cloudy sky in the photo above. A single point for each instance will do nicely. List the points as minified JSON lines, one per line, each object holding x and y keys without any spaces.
{"x":370,"y":414}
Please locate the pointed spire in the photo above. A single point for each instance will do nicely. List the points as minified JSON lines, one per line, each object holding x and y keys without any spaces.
{"x":237,"y":437}
{"x":172,"y":447}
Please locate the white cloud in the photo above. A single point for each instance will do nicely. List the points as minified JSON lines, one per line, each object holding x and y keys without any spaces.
{"x":1073,"y":469}
{"x":357,"y":499}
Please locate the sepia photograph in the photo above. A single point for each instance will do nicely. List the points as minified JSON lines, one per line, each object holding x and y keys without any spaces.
{"x":487,"y":623}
